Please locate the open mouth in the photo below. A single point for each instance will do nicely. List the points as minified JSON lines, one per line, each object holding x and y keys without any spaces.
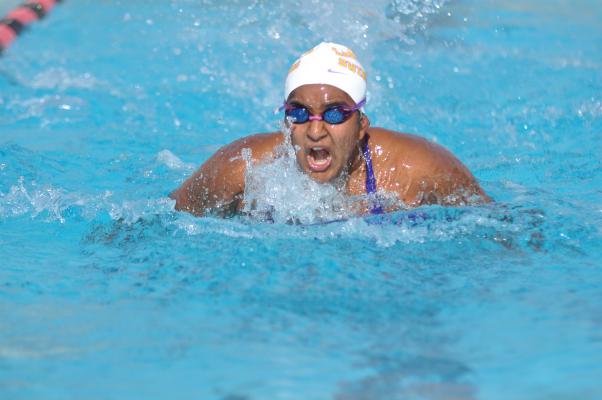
{"x":318,"y":159}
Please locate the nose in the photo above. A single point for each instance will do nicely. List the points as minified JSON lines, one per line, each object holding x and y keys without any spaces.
{"x":316,"y":130}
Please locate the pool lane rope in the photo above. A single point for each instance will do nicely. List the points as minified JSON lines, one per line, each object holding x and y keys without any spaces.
{"x":19,"y":18}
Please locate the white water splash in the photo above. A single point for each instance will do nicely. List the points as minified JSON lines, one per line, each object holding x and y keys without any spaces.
{"x":36,"y":200}
{"x":279,"y":191}
{"x":356,"y":24}
{"x":55,"y":204}
{"x":413,"y":15}
{"x":171,"y":161}
{"x":51,"y":204}
{"x":131,"y":211}
{"x":61,"y":108}
{"x":593,"y":109}
{"x":61,"y":79}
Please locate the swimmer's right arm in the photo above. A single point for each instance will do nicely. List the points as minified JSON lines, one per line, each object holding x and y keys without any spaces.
{"x":217,"y":186}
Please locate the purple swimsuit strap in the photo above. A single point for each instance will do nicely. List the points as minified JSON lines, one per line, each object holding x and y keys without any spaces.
{"x":375,"y":207}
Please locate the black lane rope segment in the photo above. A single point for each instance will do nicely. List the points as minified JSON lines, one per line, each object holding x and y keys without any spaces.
{"x":13,"y":24}
{"x":11,"y":27}
{"x":36,"y":8}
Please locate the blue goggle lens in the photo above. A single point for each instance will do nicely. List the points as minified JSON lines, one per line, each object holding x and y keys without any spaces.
{"x":334,"y":116}
{"x":298,"y":115}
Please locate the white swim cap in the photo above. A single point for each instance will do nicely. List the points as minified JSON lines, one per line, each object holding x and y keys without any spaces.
{"x":330,"y":64}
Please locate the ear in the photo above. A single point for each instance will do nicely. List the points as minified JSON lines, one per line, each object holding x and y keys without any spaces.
{"x":364,"y":123}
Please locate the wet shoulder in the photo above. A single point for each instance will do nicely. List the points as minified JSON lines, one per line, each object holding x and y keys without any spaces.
{"x":414,"y":157}
{"x":260,"y":146}
{"x":405,"y":147}
{"x":422,"y":171}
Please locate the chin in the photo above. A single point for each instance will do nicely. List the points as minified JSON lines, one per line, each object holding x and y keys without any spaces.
{"x":319,"y":177}
{"x":323,"y":177}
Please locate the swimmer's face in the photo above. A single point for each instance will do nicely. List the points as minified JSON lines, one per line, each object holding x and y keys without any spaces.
{"x":325,"y":151}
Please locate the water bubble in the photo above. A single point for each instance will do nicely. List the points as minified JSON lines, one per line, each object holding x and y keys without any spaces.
{"x":273,"y":33}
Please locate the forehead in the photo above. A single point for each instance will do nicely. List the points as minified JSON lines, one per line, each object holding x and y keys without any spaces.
{"x":316,"y":94}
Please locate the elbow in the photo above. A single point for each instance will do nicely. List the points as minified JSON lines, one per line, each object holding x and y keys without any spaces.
{"x":185,"y":203}
{"x":483,"y":198}
{"x":177,"y":196}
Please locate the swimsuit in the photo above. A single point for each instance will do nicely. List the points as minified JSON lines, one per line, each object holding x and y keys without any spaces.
{"x":375,"y":207}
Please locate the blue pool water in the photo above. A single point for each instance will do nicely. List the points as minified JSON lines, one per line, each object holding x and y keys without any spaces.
{"x":107,"y":293}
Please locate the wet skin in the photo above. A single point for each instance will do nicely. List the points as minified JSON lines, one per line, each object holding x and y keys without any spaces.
{"x":416,"y":170}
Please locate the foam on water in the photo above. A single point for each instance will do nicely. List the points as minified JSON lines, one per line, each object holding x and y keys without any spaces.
{"x":499,"y":224}
{"x":172,"y":161}
{"x":280,"y":192}
{"x":277,"y":190}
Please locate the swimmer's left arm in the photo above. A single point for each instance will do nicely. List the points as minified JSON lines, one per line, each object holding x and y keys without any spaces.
{"x":440,"y":178}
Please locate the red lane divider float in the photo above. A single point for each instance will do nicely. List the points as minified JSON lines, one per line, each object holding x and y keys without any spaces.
{"x":19,"y":18}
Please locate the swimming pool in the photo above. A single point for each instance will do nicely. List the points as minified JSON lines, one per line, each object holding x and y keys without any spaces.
{"x":106,"y":292}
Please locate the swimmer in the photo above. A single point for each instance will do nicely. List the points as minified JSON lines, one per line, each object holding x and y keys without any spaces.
{"x":325,"y":91}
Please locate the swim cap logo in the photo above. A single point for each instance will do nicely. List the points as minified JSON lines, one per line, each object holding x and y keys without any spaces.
{"x":352,"y":67}
{"x":344,"y":53}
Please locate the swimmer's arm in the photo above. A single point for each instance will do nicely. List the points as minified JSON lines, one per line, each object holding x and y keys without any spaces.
{"x":217,"y":186}
{"x":442,"y":179}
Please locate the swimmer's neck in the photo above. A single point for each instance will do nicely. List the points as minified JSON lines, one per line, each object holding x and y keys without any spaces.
{"x":352,"y":175}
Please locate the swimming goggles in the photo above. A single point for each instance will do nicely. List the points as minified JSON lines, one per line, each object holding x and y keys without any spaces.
{"x":333,"y":115}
